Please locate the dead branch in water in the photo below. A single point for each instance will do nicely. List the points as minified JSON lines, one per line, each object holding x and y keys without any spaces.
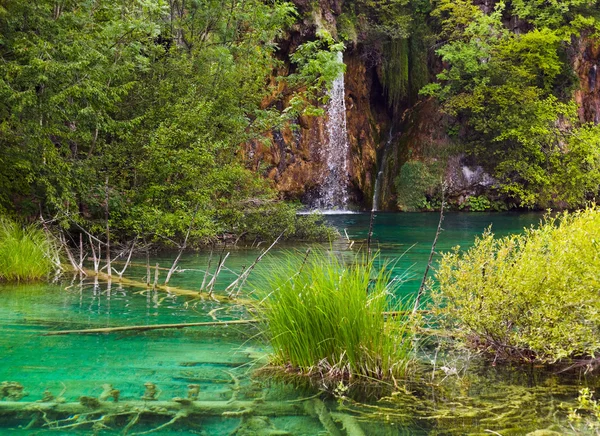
{"x":182,"y":247}
{"x":211,"y":285}
{"x":437,"y":234}
{"x":239,"y":282}
{"x":150,"y":327}
{"x":370,"y":235}
{"x":120,"y":273}
{"x":107,"y":216}
{"x":207,"y":269}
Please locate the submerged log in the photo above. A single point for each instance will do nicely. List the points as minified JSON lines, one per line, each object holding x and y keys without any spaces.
{"x":170,"y":289}
{"x":349,"y":423}
{"x":205,"y":408}
{"x":150,"y":327}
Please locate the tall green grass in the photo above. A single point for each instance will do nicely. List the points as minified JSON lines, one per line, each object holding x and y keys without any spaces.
{"x":26,"y":252}
{"x":327,"y":318}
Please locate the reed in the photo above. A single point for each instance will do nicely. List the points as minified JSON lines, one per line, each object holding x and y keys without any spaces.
{"x":325,"y":317}
{"x":26,"y":252}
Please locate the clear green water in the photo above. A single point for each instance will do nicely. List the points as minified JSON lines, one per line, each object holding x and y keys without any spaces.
{"x":211,"y":357}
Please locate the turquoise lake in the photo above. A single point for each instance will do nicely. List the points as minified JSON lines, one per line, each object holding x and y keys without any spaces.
{"x":222,"y":360}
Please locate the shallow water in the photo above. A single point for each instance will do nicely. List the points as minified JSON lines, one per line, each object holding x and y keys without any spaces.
{"x":223,"y":359}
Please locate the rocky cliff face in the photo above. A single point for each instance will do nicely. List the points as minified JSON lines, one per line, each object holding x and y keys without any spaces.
{"x":294,"y":161}
{"x":586,"y":62}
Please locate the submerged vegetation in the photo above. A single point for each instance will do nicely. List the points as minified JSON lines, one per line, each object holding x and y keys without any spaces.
{"x":326,"y":318}
{"x":27,"y":253}
{"x":526,"y":297}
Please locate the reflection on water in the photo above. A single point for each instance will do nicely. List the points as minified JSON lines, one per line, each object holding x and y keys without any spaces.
{"x":221,"y":360}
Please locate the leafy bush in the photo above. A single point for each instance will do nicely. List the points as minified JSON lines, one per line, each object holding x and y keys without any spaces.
{"x":478,"y":203}
{"x":325,"y":318}
{"x":26,"y":253}
{"x":416,"y":184}
{"x":508,"y":90}
{"x":527,"y":297}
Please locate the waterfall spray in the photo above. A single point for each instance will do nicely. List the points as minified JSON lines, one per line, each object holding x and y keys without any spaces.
{"x":333,"y":193}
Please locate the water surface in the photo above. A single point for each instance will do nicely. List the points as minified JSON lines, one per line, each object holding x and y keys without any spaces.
{"x":223,"y":359}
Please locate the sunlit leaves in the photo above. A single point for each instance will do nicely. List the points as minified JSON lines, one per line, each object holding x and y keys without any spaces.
{"x":529,"y":297}
{"x":510,"y":91}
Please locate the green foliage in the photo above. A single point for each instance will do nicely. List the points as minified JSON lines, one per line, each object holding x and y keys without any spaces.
{"x":511,"y":91}
{"x":586,"y":415}
{"x":455,"y":16}
{"x":528,"y":297}
{"x":555,"y":14}
{"x":154,"y":99}
{"x":417,"y":184}
{"x":26,"y":253}
{"x":325,"y":317}
{"x":476,"y":203}
{"x":395,"y":76}
{"x":263,"y":220}
{"x":318,"y":64}
{"x":346,"y":27}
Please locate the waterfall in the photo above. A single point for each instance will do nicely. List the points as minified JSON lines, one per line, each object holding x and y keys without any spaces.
{"x":333,"y":193}
{"x":381,"y":167}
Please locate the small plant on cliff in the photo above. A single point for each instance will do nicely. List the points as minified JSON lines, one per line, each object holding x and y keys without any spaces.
{"x":478,"y":203}
{"x":417,"y":184}
{"x":26,"y":253}
{"x":326,"y":318}
{"x":528,"y":297}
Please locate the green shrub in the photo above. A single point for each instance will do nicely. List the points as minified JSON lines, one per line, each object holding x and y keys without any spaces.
{"x":26,"y":253}
{"x":416,"y":185}
{"x":325,"y":318}
{"x":478,"y":203}
{"x":527,"y":297}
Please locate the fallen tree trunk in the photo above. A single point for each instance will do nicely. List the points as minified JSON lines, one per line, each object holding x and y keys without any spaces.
{"x":150,"y":327}
{"x":170,"y":289}
{"x":206,"y":408}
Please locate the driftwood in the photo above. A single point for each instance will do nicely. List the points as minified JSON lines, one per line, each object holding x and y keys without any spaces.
{"x":320,"y":410}
{"x":211,"y":285}
{"x":150,"y":327}
{"x":349,"y":423}
{"x":186,"y":325}
{"x":127,"y":262}
{"x":107,"y":216}
{"x":370,"y":234}
{"x":182,"y":247}
{"x":431,"y":253}
{"x":239,"y":283}
{"x":172,"y":289}
{"x":207,"y":408}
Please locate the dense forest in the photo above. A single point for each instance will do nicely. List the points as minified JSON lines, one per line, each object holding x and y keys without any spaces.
{"x":139,"y":113}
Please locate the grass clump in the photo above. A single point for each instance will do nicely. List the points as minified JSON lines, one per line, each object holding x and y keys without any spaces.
{"x":26,"y":252}
{"x":527,"y":297}
{"x":326,"y":318}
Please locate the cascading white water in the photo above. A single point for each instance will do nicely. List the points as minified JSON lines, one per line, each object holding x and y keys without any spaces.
{"x":333,"y":193}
